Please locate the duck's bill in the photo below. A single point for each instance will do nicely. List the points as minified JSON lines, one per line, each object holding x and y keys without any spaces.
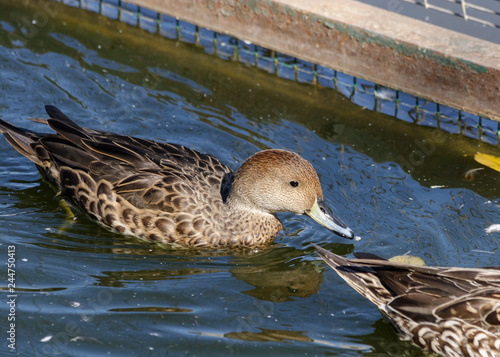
{"x":322,"y":214}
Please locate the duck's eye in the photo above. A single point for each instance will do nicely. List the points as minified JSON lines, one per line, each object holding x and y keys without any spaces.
{"x":294,"y":183}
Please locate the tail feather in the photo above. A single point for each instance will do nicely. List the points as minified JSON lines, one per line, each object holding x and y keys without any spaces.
{"x":66,"y":127}
{"x":55,"y":113}
{"x":21,"y":139}
{"x":63,"y":153}
{"x":68,"y":130}
{"x":39,"y":120}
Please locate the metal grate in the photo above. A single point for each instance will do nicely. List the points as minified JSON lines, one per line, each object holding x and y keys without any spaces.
{"x":487,"y":14}
{"x":395,"y":103}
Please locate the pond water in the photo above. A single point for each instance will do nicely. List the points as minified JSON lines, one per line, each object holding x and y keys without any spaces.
{"x":83,"y":291}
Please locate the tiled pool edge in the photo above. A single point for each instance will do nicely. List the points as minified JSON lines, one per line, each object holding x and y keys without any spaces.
{"x":360,"y":40}
{"x":372,"y":96}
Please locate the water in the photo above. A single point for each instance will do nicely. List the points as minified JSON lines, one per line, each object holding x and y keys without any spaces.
{"x":83,"y":291}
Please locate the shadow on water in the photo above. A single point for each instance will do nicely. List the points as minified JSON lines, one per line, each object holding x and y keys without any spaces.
{"x":385,"y":342}
{"x":275,"y":275}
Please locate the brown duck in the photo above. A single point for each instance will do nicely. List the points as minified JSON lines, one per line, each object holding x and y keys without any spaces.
{"x":454,"y":312}
{"x":168,"y":193}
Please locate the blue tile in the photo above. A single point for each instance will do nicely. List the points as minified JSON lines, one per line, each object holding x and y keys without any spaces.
{"x":207,"y":40}
{"x":129,"y":7}
{"x":406,"y":107}
{"x":285,"y":66}
{"x":306,"y":72}
{"x":168,"y":27}
{"x":345,"y":84}
{"x":187,"y":32}
{"x":385,"y":99}
{"x":364,"y":94}
{"x":326,"y":76}
{"x":148,"y":20}
{"x":470,"y":125}
{"x":449,"y":119}
{"x":246,"y":52}
{"x":427,"y":113}
{"x":226,"y":46}
{"x":74,"y":3}
{"x":489,"y":131}
{"x":129,"y":13}
{"x":265,"y":60}
{"x":91,"y":5}
{"x":110,"y":8}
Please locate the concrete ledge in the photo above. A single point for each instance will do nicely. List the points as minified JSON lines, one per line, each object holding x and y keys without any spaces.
{"x":383,"y":47}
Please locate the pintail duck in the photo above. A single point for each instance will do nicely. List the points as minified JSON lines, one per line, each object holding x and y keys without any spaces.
{"x":168,"y":193}
{"x":450,"y":311}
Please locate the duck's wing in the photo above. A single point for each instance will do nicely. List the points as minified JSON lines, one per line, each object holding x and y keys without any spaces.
{"x":422,"y":294}
{"x":177,"y":173}
{"x":142,"y":171}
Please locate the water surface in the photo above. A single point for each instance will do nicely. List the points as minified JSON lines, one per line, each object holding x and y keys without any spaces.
{"x":83,"y":291}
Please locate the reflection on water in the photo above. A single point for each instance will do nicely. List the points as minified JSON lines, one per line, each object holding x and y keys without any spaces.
{"x":269,"y":335}
{"x":85,"y":291}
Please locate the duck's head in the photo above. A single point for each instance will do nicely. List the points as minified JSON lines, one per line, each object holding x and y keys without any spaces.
{"x":282,"y":181}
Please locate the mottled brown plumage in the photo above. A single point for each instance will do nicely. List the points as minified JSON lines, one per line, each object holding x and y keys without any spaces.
{"x":451,"y":311}
{"x":169,"y":193}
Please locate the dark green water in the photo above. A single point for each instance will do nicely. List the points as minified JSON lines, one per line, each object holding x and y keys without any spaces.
{"x":82,"y":291}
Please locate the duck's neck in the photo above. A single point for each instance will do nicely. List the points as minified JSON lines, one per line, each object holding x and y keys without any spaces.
{"x":251,"y":226}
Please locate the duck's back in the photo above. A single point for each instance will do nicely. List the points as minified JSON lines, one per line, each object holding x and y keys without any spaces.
{"x":157,"y":191}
